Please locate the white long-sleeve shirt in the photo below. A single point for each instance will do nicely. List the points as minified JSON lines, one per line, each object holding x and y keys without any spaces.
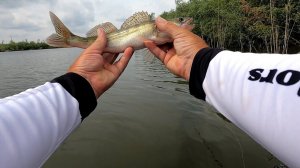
{"x":260,"y":93}
{"x":35,"y":122}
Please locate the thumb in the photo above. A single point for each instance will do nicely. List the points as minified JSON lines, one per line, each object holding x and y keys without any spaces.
{"x":100,"y":42}
{"x":168,"y":27}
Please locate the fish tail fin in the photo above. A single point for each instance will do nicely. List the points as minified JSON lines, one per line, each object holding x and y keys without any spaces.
{"x":60,"y":39}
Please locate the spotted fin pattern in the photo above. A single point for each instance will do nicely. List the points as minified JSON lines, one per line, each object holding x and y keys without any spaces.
{"x":136,"y":19}
{"x":107,"y":27}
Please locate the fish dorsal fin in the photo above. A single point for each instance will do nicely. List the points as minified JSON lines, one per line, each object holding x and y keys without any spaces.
{"x":107,"y":27}
{"x":136,"y":19}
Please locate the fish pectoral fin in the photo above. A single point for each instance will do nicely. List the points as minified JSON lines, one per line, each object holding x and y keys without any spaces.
{"x":107,"y":27}
{"x":56,"y":40}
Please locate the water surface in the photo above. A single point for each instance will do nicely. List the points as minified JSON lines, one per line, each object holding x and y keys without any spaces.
{"x":147,"y":119}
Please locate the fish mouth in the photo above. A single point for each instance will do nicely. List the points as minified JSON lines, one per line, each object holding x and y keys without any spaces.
{"x":188,"y":21}
{"x":187,"y":24}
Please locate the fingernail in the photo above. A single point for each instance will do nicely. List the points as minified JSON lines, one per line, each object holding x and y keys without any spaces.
{"x":161,"y":20}
{"x":99,"y":31}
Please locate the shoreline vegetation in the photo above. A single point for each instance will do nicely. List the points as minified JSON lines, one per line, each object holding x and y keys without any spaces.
{"x":23,"y":45}
{"x":268,"y":26}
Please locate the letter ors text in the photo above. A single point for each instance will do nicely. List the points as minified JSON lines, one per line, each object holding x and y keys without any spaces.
{"x":285,"y":78}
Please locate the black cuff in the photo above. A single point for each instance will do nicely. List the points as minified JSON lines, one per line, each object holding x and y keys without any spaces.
{"x":81,"y":90}
{"x":199,"y":69}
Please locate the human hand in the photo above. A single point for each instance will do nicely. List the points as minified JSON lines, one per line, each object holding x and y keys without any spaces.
{"x":98,"y":68}
{"x":179,"y":58}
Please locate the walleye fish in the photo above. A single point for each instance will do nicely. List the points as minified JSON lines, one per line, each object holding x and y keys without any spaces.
{"x":133,"y":32}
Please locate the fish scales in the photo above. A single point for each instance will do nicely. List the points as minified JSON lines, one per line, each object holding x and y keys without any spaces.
{"x":133,"y":37}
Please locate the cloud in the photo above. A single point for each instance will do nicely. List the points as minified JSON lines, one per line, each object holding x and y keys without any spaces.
{"x":29,"y":19}
{"x":20,"y":3}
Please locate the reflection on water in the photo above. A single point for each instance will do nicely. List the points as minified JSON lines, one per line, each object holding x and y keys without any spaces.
{"x":147,"y":119}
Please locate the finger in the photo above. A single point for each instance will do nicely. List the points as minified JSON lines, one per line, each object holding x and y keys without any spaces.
{"x":114,"y":57}
{"x":166,"y":47}
{"x":170,"y":54}
{"x":188,"y":27}
{"x":123,"y":62}
{"x":100,"y":42}
{"x":159,"y":53}
{"x":110,"y":58}
{"x":168,"y":27}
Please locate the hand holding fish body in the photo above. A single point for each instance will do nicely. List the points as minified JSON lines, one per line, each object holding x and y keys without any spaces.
{"x":134,"y":31}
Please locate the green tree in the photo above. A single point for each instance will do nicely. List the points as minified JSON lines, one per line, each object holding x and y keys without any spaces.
{"x":245,"y":25}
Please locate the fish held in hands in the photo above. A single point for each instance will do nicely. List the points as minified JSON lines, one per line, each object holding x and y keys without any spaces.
{"x":133,"y":32}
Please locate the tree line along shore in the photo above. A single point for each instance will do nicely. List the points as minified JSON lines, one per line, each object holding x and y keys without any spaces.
{"x":271,"y":26}
{"x":23,"y":45}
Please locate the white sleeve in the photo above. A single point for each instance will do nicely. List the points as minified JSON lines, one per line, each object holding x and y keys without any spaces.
{"x":260,"y":94}
{"x":34,"y":123}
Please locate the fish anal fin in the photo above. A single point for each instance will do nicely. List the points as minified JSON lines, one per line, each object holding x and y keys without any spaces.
{"x":107,"y":27}
{"x":136,"y":19}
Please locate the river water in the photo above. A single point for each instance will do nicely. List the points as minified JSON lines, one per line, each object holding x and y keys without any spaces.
{"x":147,"y":119}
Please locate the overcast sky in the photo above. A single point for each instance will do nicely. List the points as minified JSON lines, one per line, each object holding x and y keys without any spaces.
{"x":29,"y":19}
